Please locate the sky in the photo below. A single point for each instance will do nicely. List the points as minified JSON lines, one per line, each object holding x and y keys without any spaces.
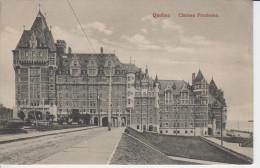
{"x":172,"y":47}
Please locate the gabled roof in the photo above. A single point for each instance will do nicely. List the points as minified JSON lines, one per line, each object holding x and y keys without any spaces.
{"x":199,"y":77}
{"x":169,"y":83}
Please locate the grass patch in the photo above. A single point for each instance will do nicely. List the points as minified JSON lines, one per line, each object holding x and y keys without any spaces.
{"x":131,"y":151}
{"x":189,"y":147}
{"x":50,"y":127}
{"x":4,"y":131}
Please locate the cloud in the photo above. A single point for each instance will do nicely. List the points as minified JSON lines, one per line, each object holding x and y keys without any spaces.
{"x":150,"y":19}
{"x":140,"y":42}
{"x":136,"y":39}
{"x":101,"y":27}
{"x":144,"y":30}
{"x":168,"y":24}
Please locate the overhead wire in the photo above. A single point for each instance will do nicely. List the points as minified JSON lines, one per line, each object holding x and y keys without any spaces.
{"x":81,"y":25}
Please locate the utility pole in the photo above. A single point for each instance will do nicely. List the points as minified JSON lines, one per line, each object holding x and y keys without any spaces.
{"x":147,"y":120}
{"x":193,"y":118}
{"x":109,"y":100}
{"x":141,"y":110}
{"x":221,"y":126}
{"x":176,"y":121}
{"x":36,"y":123}
{"x":98,"y":106}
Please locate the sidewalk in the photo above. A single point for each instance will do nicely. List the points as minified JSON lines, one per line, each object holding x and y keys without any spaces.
{"x":233,"y":146}
{"x":17,"y":137}
{"x":96,"y":150}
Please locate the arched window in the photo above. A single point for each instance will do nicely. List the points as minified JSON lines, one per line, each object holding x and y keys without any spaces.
{"x":75,"y":63}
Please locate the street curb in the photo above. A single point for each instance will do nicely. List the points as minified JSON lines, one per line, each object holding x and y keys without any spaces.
{"x":112,"y":154}
{"x":230,"y":151}
{"x":38,"y":136}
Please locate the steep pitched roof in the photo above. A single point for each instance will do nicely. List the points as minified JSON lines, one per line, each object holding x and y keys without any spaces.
{"x":156,"y":79}
{"x":199,"y":77}
{"x":40,"y":22}
{"x":178,"y":84}
{"x":100,"y":59}
{"x":41,"y":31}
{"x":213,"y":88}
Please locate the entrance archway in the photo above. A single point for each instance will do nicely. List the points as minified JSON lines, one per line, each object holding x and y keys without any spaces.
{"x":150,"y":128}
{"x":105,"y":121}
{"x":96,"y":121}
{"x":123,"y":121}
{"x":209,"y":131}
{"x":114,"y":122}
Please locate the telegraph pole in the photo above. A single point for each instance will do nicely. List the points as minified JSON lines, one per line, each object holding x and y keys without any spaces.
{"x":221,"y":127}
{"x":109,"y":101}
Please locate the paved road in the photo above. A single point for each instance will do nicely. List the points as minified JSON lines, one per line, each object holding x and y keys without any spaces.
{"x":96,"y":150}
{"x":32,"y":151}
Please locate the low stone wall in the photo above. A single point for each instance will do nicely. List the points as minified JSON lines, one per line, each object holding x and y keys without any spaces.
{"x":239,"y":155}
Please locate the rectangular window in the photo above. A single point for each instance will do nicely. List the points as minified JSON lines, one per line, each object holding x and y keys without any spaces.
{"x":33,"y":53}
{"x":26,"y":53}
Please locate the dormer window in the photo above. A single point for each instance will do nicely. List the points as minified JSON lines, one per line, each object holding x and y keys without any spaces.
{"x":75,"y":63}
{"x":26,"y":53}
{"x":117,"y":72}
{"x":123,"y":72}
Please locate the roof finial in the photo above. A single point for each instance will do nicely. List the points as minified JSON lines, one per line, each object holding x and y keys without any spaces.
{"x":45,"y":15}
{"x":130,"y":60}
{"x":39,"y":7}
{"x":23,"y":27}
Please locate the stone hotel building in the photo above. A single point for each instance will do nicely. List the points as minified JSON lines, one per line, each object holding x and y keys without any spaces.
{"x":51,"y":79}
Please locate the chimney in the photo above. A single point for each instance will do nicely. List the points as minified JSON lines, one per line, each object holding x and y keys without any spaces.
{"x":61,"y":46}
{"x":69,"y":50}
{"x":193,"y":78}
{"x":101,"y":50}
{"x":146,"y":70}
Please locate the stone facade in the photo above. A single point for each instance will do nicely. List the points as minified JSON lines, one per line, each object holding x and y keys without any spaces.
{"x":51,"y":80}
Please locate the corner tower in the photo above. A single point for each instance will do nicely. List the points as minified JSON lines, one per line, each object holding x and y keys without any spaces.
{"x":34,"y":61}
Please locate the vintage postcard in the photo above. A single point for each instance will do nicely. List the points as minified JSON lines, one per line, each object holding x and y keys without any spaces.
{"x":120,"y":82}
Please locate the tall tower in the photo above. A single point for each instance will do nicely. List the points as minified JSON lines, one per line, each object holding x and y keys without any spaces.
{"x":200,"y":88}
{"x":34,"y":61}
